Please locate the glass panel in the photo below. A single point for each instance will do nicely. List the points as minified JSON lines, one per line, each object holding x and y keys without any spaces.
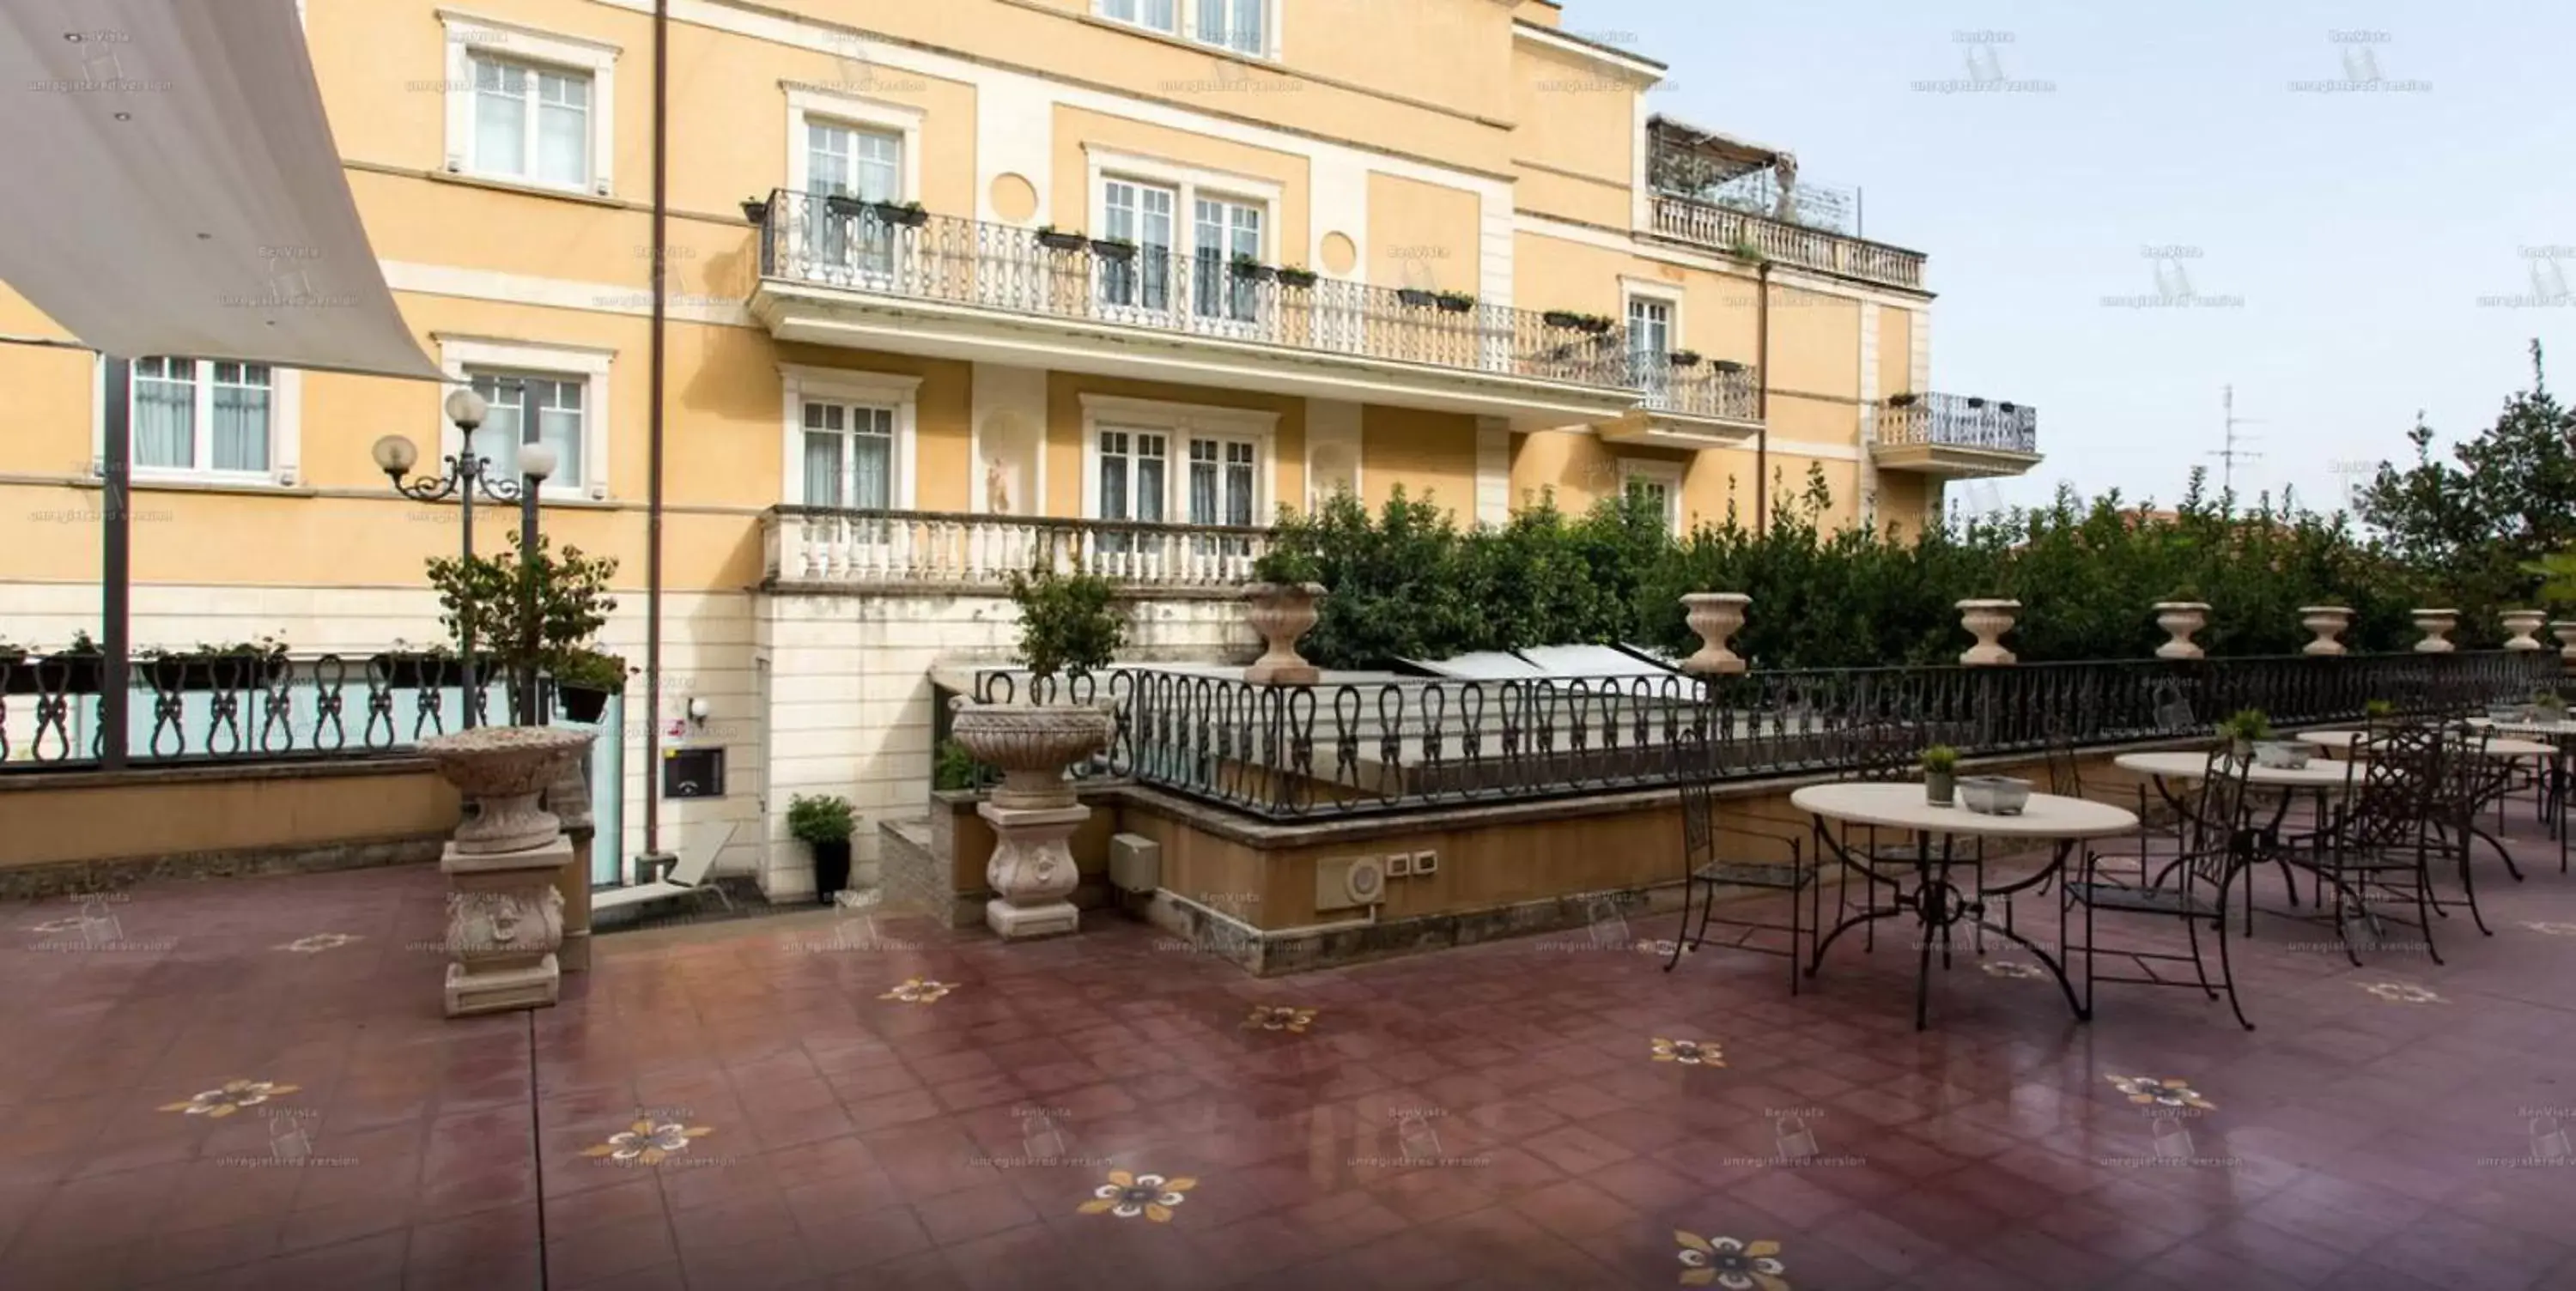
{"x":1244,"y":223}
{"x":822,"y":465}
{"x":1207,"y":235}
{"x":1203,"y":482}
{"x":1238,"y":484}
{"x":164,"y":410}
{"x":240,"y":417}
{"x":880,"y":166}
{"x":497,"y":440}
{"x":1113,"y":475}
{"x":1246,"y":29}
{"x":872,"y":457}
{"x":559,"y":423}
{"x":1161,"y":15}
{"x":563,"y":144}
{"x":1154,"y":214}
{"x":1118,"y":213}
{"x":1152,"y":485}
{"x":500,"y":118}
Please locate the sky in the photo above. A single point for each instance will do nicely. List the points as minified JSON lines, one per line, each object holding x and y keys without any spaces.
{"x":2343,"y":257}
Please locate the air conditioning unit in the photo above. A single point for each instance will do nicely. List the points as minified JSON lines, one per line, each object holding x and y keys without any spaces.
{"x":1350,"y":882}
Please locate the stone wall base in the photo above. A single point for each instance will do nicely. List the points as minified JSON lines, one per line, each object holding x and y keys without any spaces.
{"x":36,"y":882}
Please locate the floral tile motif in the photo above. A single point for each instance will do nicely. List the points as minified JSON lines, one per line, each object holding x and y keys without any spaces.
{"x":1689,"y":1053}
{"x":2149,"y":1091}
{"x":1662,"y":948}
{"x":319,"y":942}
{"x":2551,"y":929}
{"x":1129,"y":1195}
{"x":2013,"y":968}
{"x":232,"y":1097}
{"x":2402,"y":993}
{"x":1734,"y":1265}
{"x":647,"y":1142}
{"x":1268,"y":1017}
{"x":918,"y":990}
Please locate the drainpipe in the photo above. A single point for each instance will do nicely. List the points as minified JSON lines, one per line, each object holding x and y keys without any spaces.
{"x":1762,"y":400}
{"x":653,"y":415}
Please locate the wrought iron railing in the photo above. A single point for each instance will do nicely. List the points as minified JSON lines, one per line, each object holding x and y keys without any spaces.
{"x":1959,"y":421}
{"x":1378,"y":747}
{"x":1720,"y":390}
{"x":847,"y":547}
{"x":842,"y":242}
{"x":238,"y":708}
{"x":1728,"y":229}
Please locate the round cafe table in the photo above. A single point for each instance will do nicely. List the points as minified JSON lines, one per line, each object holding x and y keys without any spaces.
{"x":1933,"y":900}
{"x":2320,"y":778}
{"x":2499,"y":746}
{"x":2559,"y":783}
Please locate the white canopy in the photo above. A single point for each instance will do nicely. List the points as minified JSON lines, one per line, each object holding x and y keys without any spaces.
{"x":168,"y":185}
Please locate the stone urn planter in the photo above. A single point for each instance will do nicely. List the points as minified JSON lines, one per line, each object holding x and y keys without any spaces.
{"x":2521,"y":628}
{"x":2565,"y":631}
{"x":2436,"y":625}
{"x":2328,"y":622}
{"x":1715,"y":616}
{"x":1281,"y":613}
{"x":1033,"y":812}
{"x":1987,"y":621}
{"x":503,"y":770}
{"x":2180,"y":619}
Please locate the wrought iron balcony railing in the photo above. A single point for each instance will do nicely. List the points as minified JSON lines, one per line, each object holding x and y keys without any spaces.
{"x":1720,"y":390}
{"x":1959,"y":421}
{"x":831,"y":546}
{"x":914,"y":255}
{"x":1381,"y":747}
{"x":1726,"y":228}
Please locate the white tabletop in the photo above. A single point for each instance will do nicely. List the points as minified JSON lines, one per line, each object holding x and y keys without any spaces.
{"x":1902,"y":806}
{"x":2497,"y":746}
{"x":2545,"y":730}
{"x":2192,"y":766}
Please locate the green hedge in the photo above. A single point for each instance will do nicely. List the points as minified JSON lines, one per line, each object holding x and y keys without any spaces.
{"x":1408,"y":582}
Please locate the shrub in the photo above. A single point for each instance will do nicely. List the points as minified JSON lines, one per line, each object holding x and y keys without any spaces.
{"x":1069,"y":623}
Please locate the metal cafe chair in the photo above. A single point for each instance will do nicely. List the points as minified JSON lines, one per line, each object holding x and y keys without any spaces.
{"x":1886,"y":751}
{"x":2192,"y":888}
{"x":1708,"y":865}
{"x":2385,"y":834}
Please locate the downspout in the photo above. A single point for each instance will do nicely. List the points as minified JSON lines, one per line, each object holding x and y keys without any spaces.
{"x":1762,"y":400}
{"x":653,"y":414}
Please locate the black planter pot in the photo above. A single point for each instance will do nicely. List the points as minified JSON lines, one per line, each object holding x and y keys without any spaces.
{"x":51,"y":675}
{"x":413,"y":671}
{"x":1684,"y":358}
{"x":1113,"y":250}
{"x":831,"y":868}
{"x":1417,"y":299}
{"x":1976,"y":403}
{"x":1562,"y":318}
{"x":1594,"y":326}
{"x":1298,"y":278}
{"x":845,"y":207}
{"x":1900,"y":401}
{"x":213,"y":672}
{"x":1255,"y":272}
{"x":1063,"y":241}
{"x":1456,"y":304}
{"x":910,"y":217}
{"x":580,"y":703}
{"x":755,"y":210}
{"x":1728,"y":366}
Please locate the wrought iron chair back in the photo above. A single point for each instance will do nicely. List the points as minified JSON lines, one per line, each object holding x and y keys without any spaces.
{"x":2401,"y":781}
{"x":1699,"y":822}
{"x":2220,"y":839}
{"x":2065,"y":774}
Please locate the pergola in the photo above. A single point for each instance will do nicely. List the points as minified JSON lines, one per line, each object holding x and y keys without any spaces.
{"x":174,"y":189}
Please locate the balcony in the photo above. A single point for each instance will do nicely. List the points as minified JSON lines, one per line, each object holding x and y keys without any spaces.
{"x":837,"y":271}
{"x":839,"y":549}
{"x":1743,"y":198}
{"x":1724,"y":228}
{"x":1694,"y":404}
{"x":1956,"y":436}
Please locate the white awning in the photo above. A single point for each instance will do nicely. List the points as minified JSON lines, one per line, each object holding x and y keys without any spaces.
{"x":168,"y":185}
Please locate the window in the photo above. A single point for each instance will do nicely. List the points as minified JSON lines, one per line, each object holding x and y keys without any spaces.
{"x":846,"y":161}
{"x":1656,"y":484}
{"x":1140,"y":214}
{"x":1650,"y":342}
{"x":1152,"y":462}
{"x":529,"y":107}
{"x":1220,"y":481}
{"x":1134,"y":476}
{"x":533,"y":408}
{"x":1161,"y":15}
{"x":1240,"y":25}
{"x":204,"y":416}
{"x":1223,"y":231}
{"x":849,"y":456}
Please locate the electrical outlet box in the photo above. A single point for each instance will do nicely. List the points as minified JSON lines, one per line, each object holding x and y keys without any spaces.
{"x":1426,"y":862}
{"x":1135,"y":863}
{"x":1399,"y":865}
{"x":1349,"y":882}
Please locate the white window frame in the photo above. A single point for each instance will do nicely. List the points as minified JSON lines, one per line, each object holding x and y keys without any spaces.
{"x":1188,"y":184}
{"x":285,"y":423}
{"x":456,"y":354}
{"x":859,"y":113}
{"x":471,"y":34}
{"x":1656,"y":471}
{"x":798,"y":383}
{"x":1670,"y":297}
{"x":1179,"y":422}
{"x":1186,"y":25}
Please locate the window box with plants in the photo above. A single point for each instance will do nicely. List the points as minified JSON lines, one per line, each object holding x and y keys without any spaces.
{"x":1975,"y":402}
{"x":1416,"y":298}
{"x":908,"y":215}
{"x":1055,"y":239}
{"x":1563,"y":318}
{"x":1594,"y":324}
{"x":241,"y":665}
{"x":1247,"y":269}
{"x":584,"y":679}
{"x":1286,"y":584}
{"x":1900,"y":401}
{"x":1300,"y":279}
{"x":76,"y":669}
{"x":756,"y":209}
{"x":1683,"y":358}
{"x":824,"y":823}
{"x":1455,"y":302}
{"x":406,"y":667}
{"x":845,"y":205}
{"x":1113,"y":248}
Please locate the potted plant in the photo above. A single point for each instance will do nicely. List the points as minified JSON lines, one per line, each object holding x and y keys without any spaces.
{"x":2549,"y":706}
{"x":1287,"y":581}
{"x":1291,"y":276}
{"x":1564,"y":318}
{"x":2007,"y":408}
{"x":529,"y":610}
{"x":756,"y":209}
{"x":1728,"y":367}
{"x":1113,"y":248}
{"x":1455,"y":302}
{"x":1596,"y":324}
{"x":405,"y":667}
{"x":1684,"y":358}
{"x":1055,"y":239}
{"x":2377,"y":713}
{"x":824,"y":823}
{"x":1940,"y":775}
{"x":239,"y":665}
{"x":846,"y":205}
{"x":584,"y":679}
{"x":910,"y":215}
{"x":1975,"y":402}
{"x":2247,"y":728}
{"x":1249,"y":269}
{"x":1070,"y":628}
{"x":1900,"y":401}
{"x":1417,"y":298}
{"x":75,"y":669}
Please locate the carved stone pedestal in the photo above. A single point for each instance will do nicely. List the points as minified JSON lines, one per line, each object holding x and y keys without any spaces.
{"x":504,"y":925}
{"x":1031,"y":870}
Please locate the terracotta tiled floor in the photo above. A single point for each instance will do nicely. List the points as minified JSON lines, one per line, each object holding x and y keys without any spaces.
{"x":1491,"y":1117}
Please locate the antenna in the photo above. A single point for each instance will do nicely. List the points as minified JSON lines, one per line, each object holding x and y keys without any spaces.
{"x":2229,"y":455}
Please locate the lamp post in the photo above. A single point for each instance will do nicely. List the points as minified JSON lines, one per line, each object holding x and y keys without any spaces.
{"x":467,"y":472}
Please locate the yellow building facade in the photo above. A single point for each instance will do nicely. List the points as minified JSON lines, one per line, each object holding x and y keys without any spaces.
{"x":949,"y":286}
